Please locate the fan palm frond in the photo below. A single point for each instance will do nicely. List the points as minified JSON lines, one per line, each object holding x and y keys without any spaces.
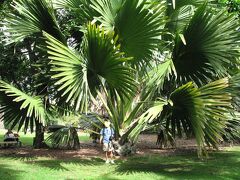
{"x":31,"y":17}
{"x":123,"y":111}
{"x":138,"y":26}
{"x":140,"y":29}
{"x":19,"y":108}
{"x":105,"y":60}
{"x":80,"y":9}
{"x":69,"y":72}
{"x":68,"y":4}
{"x":232,"y":129}
{"x":154,"y":81}
{"x":210,"y":47}
{"x":64,"y":138}
{"x":108,"y":12}
{"x":180,"y":13}
{"x":200,"y":110}
{"x":157,"y":76}
{"x":177,"y":4}
{"x":80,"y":75}
{"x":147,"y":117}
{"x":217,"y":104}
{"x":234,"y":85}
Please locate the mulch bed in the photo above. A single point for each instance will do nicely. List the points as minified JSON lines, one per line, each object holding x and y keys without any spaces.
{"x":145,"y":145}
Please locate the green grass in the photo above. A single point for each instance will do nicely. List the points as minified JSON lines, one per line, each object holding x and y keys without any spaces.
{"x":219,"y":166}
{"x":27,"y":139}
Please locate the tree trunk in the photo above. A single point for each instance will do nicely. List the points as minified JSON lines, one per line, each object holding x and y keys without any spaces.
{"x":38,"y":141}
{"x":124,"y":148}
{"x":76,"y":142}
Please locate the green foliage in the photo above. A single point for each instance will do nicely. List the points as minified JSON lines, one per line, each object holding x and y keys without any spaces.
{"x":32,"y":17}
{"x":232,"y":129}
{"x":104,"y":59}
{"x":108,"y":11}
{"x":209,"y":51}
{"x":81,"y":74}
{"x":139,"y":29}
{"x":233,"y":6}
{"x":138,"y":24}
{"x":147,"y":117}
{"x":79,"y":9}
{"x":199,"y":111}
{"x":64,"y":138}
{"x":19,"y":108}
{"x":180,"y":12}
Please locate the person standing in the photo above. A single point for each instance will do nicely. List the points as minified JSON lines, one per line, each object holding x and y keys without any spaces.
{"x":106,"y":137}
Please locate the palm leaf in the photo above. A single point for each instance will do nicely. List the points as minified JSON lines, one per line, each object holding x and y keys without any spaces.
{"x":32,"y":17}
{"x":70,"y":74}
{"x":232,"y":129}
{"x":159,"y":74}
{"x":105,"y":60}
{"x":80,"y":9}
{"x":138,"y":26}
{"x":80,"y":75}
{"x":181,"y":3}
{"x":209,"y":49}
{"x":19,"y":108}
{"x":180,"y":13}
{"x":217,"y":104}
{"x":146,"y":118}
{"x":140,"y":29}
{"x":201,"y":111}
{"x":108,"y":11}
{"x":152,"y":83}
{"x":123,"y":112}
{"x":65,"y":137}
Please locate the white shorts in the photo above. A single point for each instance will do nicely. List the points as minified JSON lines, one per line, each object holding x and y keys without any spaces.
{"x":107,"y":147}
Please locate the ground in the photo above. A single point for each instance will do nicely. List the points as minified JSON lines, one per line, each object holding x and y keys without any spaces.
{"x":145,"y":145}
{"x":88,"y":163}
{"x":220,"y":165}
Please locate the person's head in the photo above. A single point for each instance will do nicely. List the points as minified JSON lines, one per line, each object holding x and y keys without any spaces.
{"x":9,"y":131}
{"x":107,"y":123}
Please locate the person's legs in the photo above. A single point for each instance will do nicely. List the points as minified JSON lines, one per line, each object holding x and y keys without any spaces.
{"x":111,"y":157}
{"x":105,"y":149}
{"x":106,"y":154}
{"x":108,"y":149}
{"x":111,"y":152}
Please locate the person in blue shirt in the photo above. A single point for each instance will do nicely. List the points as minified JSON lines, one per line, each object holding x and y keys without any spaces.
{"x":106,"y":136}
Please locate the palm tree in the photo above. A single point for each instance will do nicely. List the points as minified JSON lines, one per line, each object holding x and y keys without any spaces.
{"x":151,"y":63}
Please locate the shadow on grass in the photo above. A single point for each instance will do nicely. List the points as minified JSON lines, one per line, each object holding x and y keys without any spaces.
{"x":220,"y":165}
{"x":59,"y":164}
{"x":53,"y":164}
{"x":20,"y":157}
{"x":224,"y":165}
{"x":8,"y":173}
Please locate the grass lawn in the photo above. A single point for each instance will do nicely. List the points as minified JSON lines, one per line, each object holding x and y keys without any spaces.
{"x":27,"y":139}
{"x":220,"y":165}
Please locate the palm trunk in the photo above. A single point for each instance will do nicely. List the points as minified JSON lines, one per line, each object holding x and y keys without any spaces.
{"x":76,"y":143}
{"x":124,"y":149}
{"x":38,"y":141}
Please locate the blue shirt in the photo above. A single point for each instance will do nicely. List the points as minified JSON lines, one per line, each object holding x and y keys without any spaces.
{"x":106,"y":133}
